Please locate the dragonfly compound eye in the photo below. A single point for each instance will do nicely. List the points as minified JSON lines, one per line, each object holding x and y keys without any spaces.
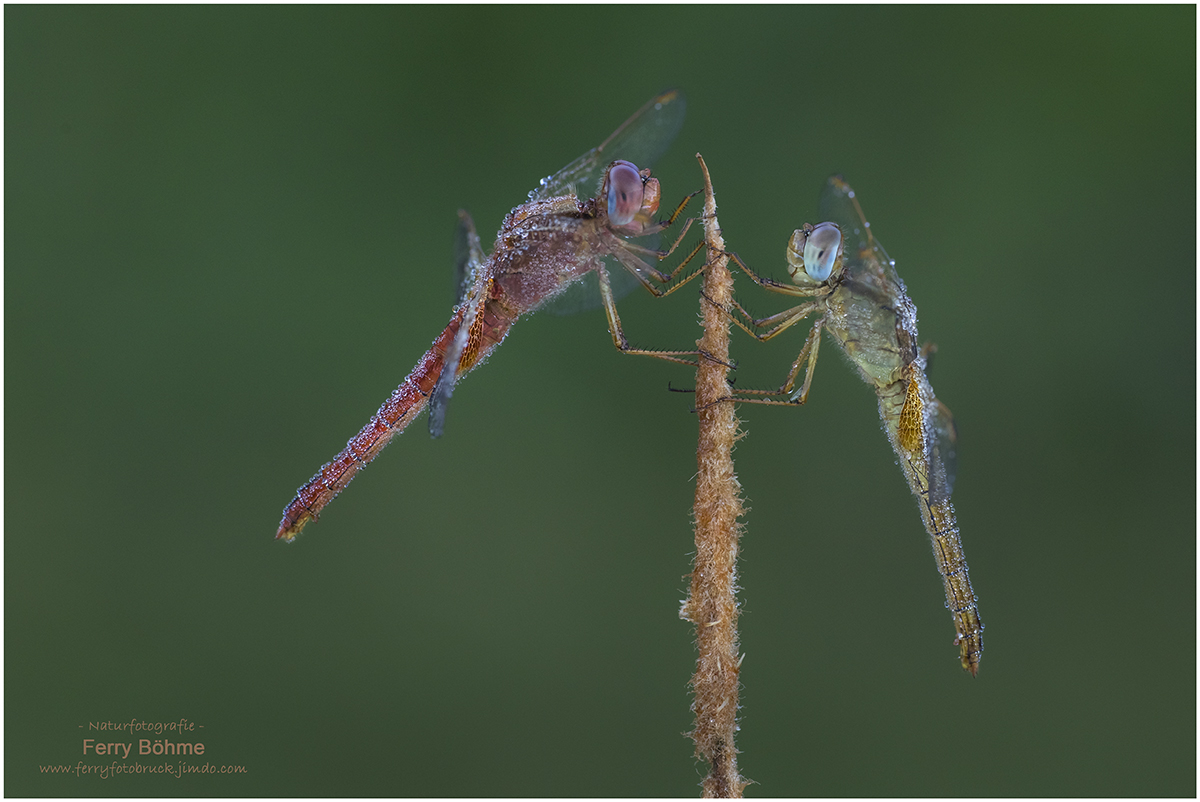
{"x":821,"y":250}
{"x":624,"y":193}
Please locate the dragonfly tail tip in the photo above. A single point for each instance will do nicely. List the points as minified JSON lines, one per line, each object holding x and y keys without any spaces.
{"x":289,"y":529}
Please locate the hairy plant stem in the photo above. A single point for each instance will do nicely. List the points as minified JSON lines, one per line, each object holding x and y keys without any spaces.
{"x":712,"y":600}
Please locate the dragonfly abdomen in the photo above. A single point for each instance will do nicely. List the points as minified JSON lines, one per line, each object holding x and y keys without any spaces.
{"x":405,"y":403}
{"x":960,"y":596}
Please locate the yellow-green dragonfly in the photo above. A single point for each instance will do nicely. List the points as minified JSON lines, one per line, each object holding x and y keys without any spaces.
{"x":861,"y":301}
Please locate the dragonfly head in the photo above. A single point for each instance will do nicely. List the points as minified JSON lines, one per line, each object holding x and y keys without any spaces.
{"x":813,"y":252}
{"x":632,"y":196}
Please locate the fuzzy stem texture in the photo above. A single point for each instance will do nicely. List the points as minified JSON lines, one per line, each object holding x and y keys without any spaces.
{"x":712,"y":600}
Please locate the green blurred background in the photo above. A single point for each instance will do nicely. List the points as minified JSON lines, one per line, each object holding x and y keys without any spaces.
{"x":228,"y":238}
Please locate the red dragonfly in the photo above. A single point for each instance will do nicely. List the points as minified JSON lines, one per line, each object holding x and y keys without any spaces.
{"x":553,"y":241}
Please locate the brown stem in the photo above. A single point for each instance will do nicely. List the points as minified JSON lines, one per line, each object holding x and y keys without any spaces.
{"x":712,"y":601}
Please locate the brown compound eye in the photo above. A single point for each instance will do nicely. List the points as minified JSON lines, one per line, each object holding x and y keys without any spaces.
{"x":624,"y":193}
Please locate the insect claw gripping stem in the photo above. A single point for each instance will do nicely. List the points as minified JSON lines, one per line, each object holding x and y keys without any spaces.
{"x":671,"y":389}
{"x":705,"y":355}
{"x":714,"y":303}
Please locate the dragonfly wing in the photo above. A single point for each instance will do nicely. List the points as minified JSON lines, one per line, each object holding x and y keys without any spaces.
{"x":445,"y":383}
{"x":468,"y":256}
{"x":468,"y":265}
{"x":864,"y":256}
{"x":943,"y":461}
{"x":641,"y":139}
{"x":468,"y":260}
{"x":584,"y":295}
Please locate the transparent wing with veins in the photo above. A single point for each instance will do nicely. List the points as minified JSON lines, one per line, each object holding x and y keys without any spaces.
{"x":864,"y":257}
{"x":468,"y":260}
{"x":868,"y":313}
{"x":544,"y":246}
{"x":944,"y":459}
{"x":925,"y":437}
{"x":871,"y":272}
{"x":641,"y":139}
{"x":468,"y":256}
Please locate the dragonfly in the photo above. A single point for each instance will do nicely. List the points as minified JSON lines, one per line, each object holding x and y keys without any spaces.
{"x":589,"y":213}
{"x":856,"y":295}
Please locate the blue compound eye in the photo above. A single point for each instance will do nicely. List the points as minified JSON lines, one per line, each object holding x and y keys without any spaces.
{"x":821,"y":250}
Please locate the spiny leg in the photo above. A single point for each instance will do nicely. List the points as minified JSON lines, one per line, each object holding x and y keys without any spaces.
{"x":667,"y":278}
{"x":659,"y":276}
{"x":662,"y":225}
{"x":811,"y":347}
{"x":779,"y":286}
{"x":774,"y":324}
{"x":650,"y":277}
{"x":778,"y":322}
{"x":618,"y":335}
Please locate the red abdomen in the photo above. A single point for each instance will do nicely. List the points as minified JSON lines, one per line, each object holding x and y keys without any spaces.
{"x":396,"y":413}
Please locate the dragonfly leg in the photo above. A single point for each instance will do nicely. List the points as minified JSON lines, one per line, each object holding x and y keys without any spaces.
{"x":808,"y":355}
{"x":679,"y":209}
{"x":814,"y":343}
{"x":779,"y":286}
{"x":774,"y":324}
{"x":637,"y":248}
{"x":662,"y":225}
{"x":618,"y":335}
{"x":667,"y":278}
{"x":687,"y":225}
{"x":659,"y":276}
{"x":653,"y":279}
{"x":763,"y":329}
